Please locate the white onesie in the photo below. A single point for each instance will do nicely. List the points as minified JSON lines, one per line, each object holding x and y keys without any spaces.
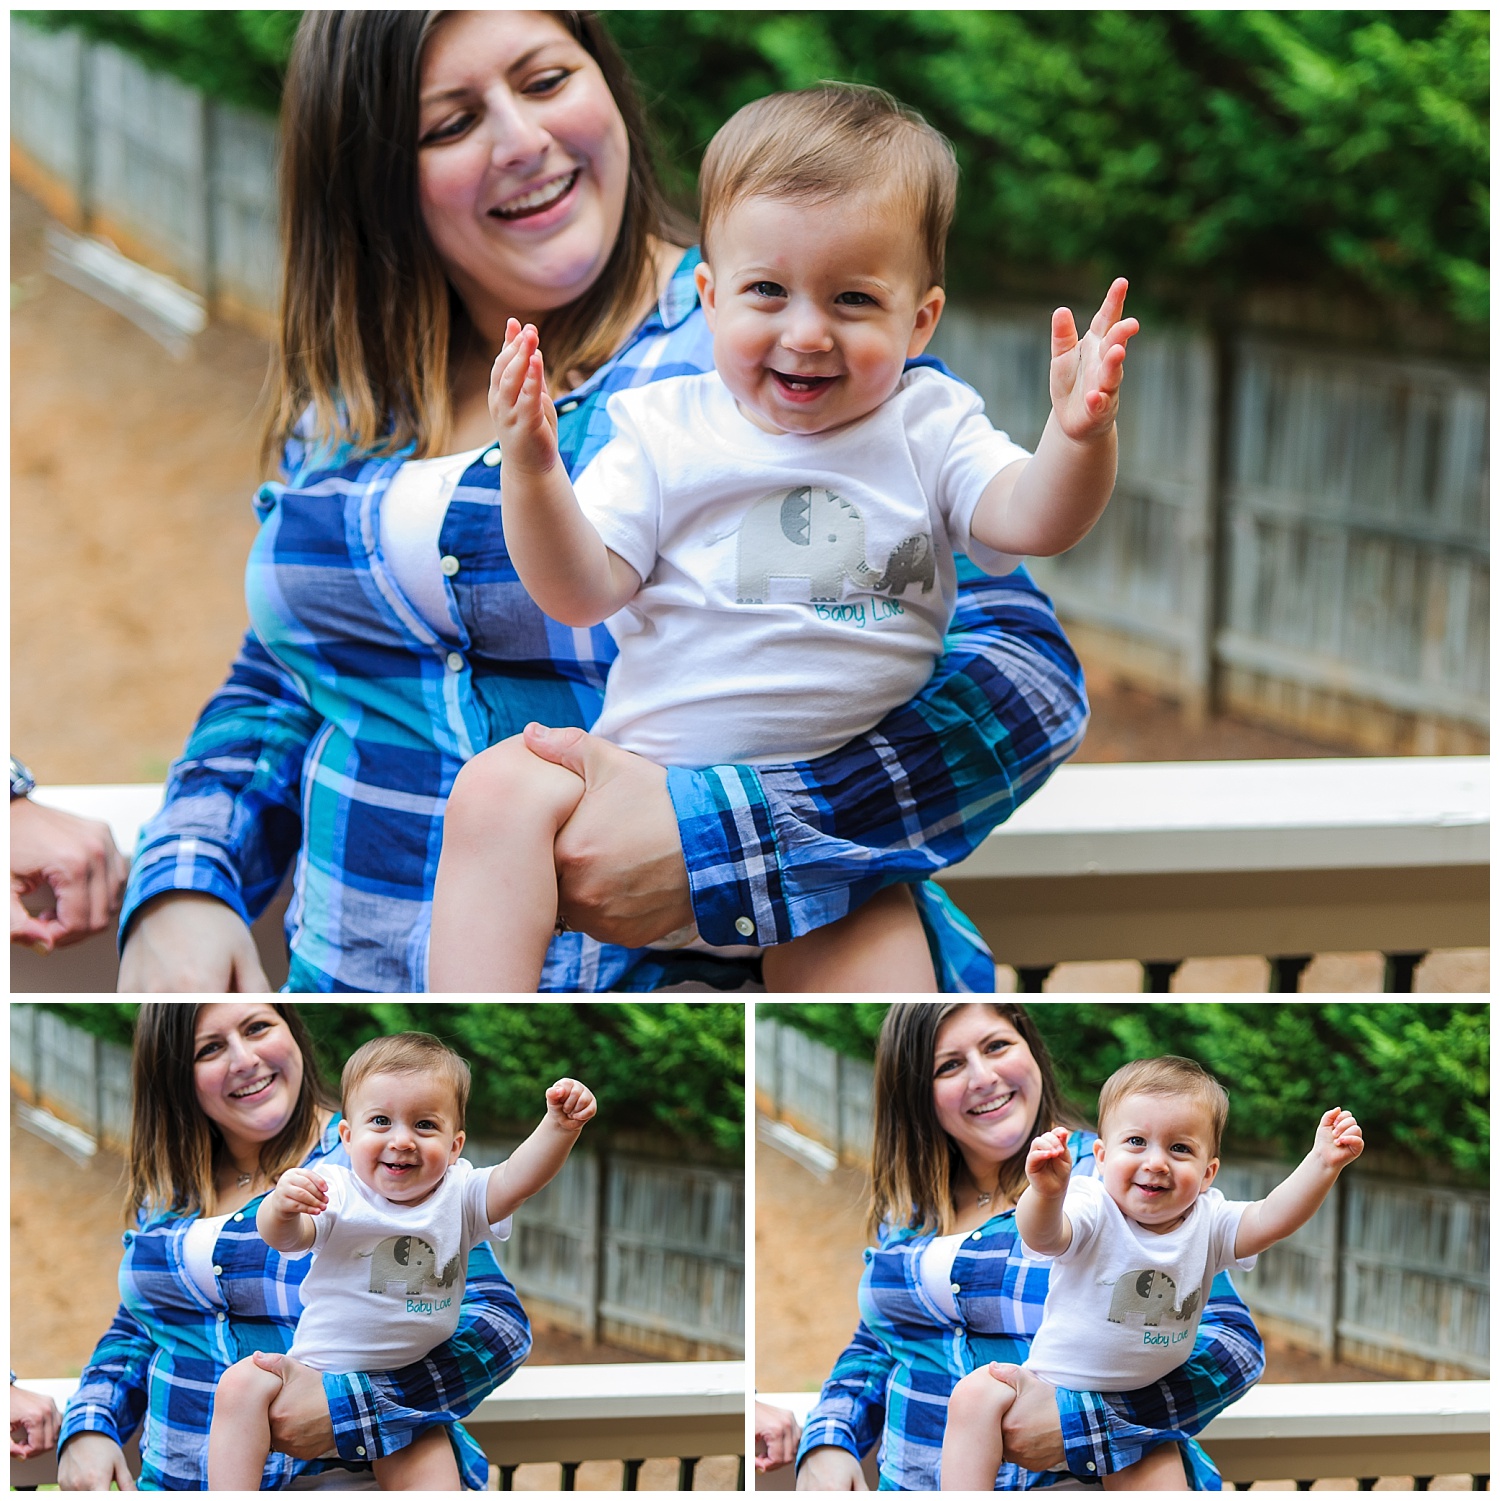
{"x":1123,"y":1304}
{"x":797,"y":587}
{"x":387,"y":1279}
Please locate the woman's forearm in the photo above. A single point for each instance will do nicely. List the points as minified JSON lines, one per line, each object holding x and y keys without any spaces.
{"x":561,"y":559}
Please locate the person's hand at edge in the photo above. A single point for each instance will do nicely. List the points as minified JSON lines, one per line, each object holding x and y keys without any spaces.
{"x":90,"y":1462}
{"x":777,"y":1434}
{"x":1032,"y":1426}
{"x":78,"y":859}
{"x":300,"y":1422}
{"x":829,"y":1468}
{"x":35,"y":1418}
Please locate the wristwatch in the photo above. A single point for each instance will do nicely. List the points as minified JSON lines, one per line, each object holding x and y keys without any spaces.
{"x":22,"y":783}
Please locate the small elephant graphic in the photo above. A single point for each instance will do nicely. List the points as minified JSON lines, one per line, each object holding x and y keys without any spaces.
{"x":450,"y":1273}
{"x":1150,"y":1293}
{"x":407,"y":1260}
{"x":809,"y":534}
{"x":911,"y":562}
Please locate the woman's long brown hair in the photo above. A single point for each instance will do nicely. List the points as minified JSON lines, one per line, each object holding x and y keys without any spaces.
{"x":175,"y":1150}
{"x":368,"y":320}
{"x":916,"y":1163}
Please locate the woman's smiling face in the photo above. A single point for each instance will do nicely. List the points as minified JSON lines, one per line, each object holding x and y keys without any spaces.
{"x":247,"y":1071}
{"x":986,"y":1087}
{"x":523,"y":162}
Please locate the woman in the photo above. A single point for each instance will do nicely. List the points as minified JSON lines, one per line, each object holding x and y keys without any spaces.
{"x":226,"y":1096}
{"x":960,"y":1092}
{"x":444,"y":171}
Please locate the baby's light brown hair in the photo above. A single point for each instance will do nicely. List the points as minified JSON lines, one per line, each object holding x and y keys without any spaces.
{"x":408,"y":1053}
{"x":818,"y":144}
{"x":1173,"y":1077}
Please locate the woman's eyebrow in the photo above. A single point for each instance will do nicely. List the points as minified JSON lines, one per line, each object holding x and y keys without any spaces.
{"x":437,"y":95}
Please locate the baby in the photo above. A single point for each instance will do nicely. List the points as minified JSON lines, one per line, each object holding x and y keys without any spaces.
{"x":390,"y":1237}
{"x":772,"y":542}
{"x":1134,"y":1252}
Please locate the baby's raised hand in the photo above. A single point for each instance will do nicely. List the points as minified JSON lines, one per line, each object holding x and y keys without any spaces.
{"x":1086,"y":372}
{"x":298,"y":1191}
{"x":571,"y":1104}
{"x":1048,"y":1163}
{"x":520,"y":406}
{"x":1339,"y":1140}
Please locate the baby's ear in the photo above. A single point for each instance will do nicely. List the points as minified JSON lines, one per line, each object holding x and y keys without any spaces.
{"x":704,"y":278}
{"x":929,"y":310}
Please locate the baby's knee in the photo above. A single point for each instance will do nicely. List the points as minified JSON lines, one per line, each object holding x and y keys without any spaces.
{"x":506,"y":780}
{"x":979,"y":1398}
{"x":245,"y":1388}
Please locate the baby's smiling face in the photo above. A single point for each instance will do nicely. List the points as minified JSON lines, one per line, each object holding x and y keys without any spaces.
{"x":1155,"y":1157}
{"x":815,"y":307}
{"x":401,"y":1133}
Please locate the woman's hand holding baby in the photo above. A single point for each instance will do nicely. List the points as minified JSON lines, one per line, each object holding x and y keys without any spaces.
{"x":570,"y":1105}
{"x":520,"y":405}
{"x":1338,"y":1141}
{"x":1086,"y":372}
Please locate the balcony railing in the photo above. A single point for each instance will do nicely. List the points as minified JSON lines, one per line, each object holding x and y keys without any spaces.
{"x":566,"y":1415}
{"x":1360,"y":1430}
{"x":1157,"y":862}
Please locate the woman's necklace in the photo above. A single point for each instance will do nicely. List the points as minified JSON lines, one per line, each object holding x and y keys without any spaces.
{"x":243,"y":1180}
{"x":984,"y":1199}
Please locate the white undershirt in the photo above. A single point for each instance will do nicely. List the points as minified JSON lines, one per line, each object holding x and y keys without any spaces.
{"x":935,"y":1269}
{"x":198,"y":1254}
{"x":411,"y":520}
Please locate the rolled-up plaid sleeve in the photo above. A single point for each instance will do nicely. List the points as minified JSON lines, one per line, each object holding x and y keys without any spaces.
{"x":851,"y":1410}
{"x":792,"y":848}
{"x":111,"y":1394}
{"x":376,"y":1415}
{"x":1103,"y":1432}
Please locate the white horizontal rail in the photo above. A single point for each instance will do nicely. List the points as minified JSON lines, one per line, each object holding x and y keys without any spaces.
{"x":650,"y":1410}
{"x":1182,"y":816}
{"x":1314,"y":1431}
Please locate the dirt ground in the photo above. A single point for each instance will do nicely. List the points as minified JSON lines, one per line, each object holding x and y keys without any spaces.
{"x":132,"y":475}
{"x":70,"y":1216}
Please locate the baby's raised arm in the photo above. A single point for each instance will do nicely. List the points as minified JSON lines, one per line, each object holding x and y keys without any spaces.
{"x":284,"y":1218}
{"x":1294,"y":1201}
{"x":539,"y":1159}
{"x":561,"y":559}
{"x":1044,"y":505}
{"x":1039,"y":1211}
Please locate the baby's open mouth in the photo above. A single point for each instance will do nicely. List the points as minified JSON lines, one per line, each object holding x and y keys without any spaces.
{"x":802,"y":385}
{"x":399,"y":1167}
{"x":540,"y":199}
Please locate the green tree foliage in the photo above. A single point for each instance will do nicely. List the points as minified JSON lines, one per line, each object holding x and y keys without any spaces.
{"x":673,"y":1068}
{"x":1416,"y":1075}
{"x":1202,"y":153}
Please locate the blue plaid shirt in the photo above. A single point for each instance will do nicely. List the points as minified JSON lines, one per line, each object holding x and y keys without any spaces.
{"x":894,"y":1380}
{"x":346,"y":717}
{"x":160,"y":1360}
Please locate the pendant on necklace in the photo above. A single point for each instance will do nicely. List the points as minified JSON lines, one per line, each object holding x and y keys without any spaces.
{"x":984,"y":1199}
{"x":242,"y":1180}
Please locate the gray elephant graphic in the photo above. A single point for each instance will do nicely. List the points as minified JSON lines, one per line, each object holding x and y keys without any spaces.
{"x":809,"y":534}
{"x":409,"y":1261}
{"x":911,"y":562}
{"x":450,"y":1273}
{"x":1153,"y":1295}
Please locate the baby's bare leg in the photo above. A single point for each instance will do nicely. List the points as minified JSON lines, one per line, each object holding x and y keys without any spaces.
{"x":239,"y":1433}
{"x":973,"y":1450}
{"x":427,"y":1463}
{"x":1159,"y":1470}
{"x":879,"y":947}
{"x":494,"y":905}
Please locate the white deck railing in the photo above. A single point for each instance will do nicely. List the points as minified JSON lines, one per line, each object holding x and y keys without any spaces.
{"x":1362,"y":1430}
{"x":1157,"y":862}
{"x":565,"y":1415}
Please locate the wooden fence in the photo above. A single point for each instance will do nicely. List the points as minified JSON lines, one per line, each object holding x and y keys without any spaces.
{"x":1387,"y":1274}
{"x":640,"y":1252}
{"x":1299,"y":536}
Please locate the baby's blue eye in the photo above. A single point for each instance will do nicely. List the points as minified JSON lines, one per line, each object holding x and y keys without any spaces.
{"x":768,"y":289}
